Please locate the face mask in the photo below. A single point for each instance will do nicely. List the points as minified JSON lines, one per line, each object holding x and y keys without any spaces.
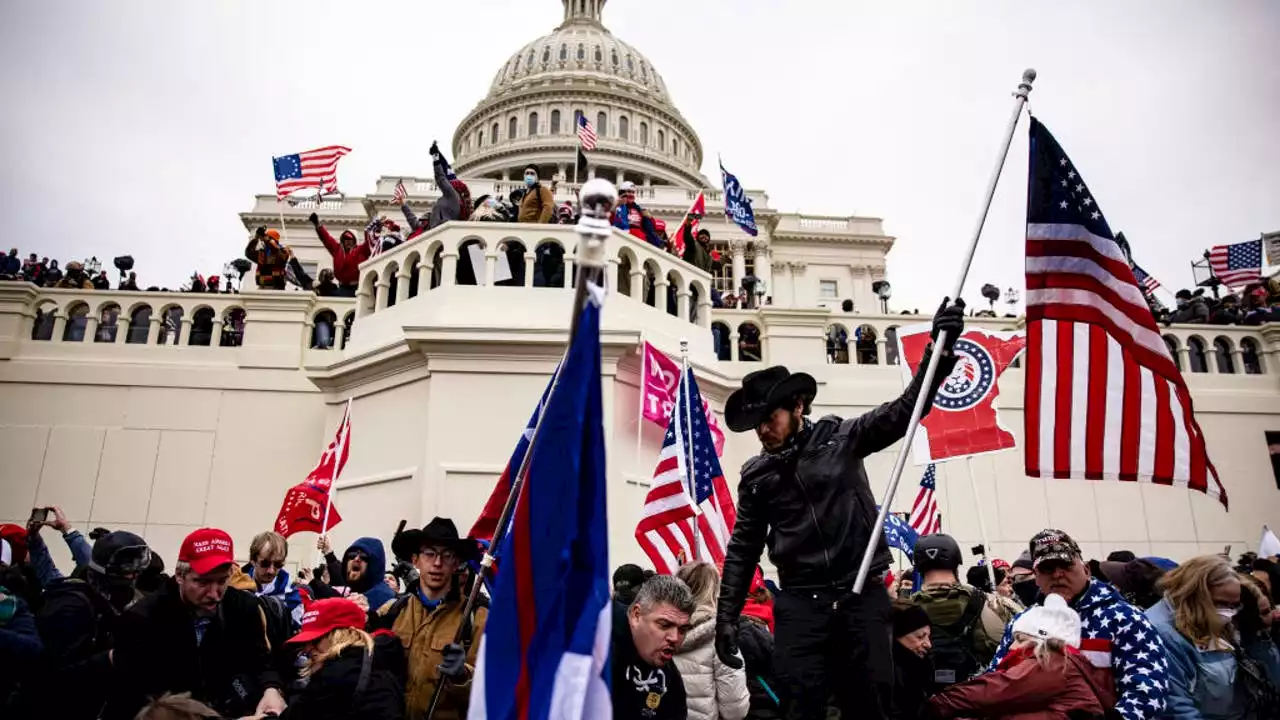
{"x":530,"y":180}
{"x":1227,"y":614}
{"x":1026,"y":590}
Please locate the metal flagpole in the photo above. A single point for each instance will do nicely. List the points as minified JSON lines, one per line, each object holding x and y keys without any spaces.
{"x":982,"y":524}
{"x":596,"y":202}
{"x":688,"y":449}
{"x":338,"y":449}
{"x":1020,"y":95}
{"x":644,"y":361}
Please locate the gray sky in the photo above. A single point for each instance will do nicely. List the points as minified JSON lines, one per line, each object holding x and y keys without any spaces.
{"x":145,"y":127}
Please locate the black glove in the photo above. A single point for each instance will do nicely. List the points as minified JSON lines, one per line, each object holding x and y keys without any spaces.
{"x":727,"y":645}
{"x":314,"y":219}
{"x":454,"y":666}
{"x":435,"y":149}
{"x":951,"y":319}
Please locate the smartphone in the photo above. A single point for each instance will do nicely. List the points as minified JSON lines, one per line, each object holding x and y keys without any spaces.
{"x":38,"y":515}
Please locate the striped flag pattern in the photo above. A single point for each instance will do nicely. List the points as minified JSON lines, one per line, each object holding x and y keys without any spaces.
{"x":1238,"y":264}
{"x":311,"y":169}
{"x":586,"y":133}
{"x":666,"y":530}
{"x":925,"y":518}
{"x":1103,"y":397}
{"x":1145,"y":281}
{"x":399,"y":194}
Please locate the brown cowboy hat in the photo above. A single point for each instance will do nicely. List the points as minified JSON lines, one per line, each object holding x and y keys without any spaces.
{"x":763,"y":391}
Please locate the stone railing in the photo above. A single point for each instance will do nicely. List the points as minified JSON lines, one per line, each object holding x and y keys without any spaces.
{"x":424,"y":188}
{"x":794,"y":224}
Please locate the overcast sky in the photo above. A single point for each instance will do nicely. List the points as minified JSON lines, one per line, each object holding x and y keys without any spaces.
{"x":145,"y":127}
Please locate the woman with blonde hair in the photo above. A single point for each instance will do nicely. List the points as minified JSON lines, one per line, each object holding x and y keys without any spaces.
{"x":345,"y":676}
{"x":1201,"y":599}
{"x":715,"y":690}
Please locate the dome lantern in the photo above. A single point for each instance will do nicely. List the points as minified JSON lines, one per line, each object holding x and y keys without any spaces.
{"x":580,"y":11}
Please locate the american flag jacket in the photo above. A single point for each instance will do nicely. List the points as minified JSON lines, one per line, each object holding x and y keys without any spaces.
{"x":1116,"y":634}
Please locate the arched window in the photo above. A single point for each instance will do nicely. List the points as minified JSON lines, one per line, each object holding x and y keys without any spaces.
{"x":675,"y":146}
{"x":232,"y":328}
{"x":891,"y":346}
{"x":1171,"y":342}
{"x":170,"y":325}
{"x":1226,"y":363}
{"x":1195,"y":355}
{"x":1249,"y":354}
{"x":555,"y":122}
{"x":479,"y":138}
{"x":139,"y":325}
{"x":602,"y":124}
{"x":108,"y":324}
{"x":644,"y":133}
{"x":347,"y":322}
{"x":720,"y":341}
{"x":529,"y":65}
{"x":533,"y":124}
{"x":613,"y":57}
{"x":77,"y":321}
{"x":201,"y":327}
{"x":837,"y":345}
{"x":564,"y":52}
{"x":864,"y":343}
{"x":42,"y":328}
{"x":644,"y":72}
{"x":494,"y":134}
{"x":749,"y":349}
{"x":546,"y":55}
{"x":511,"y":129}
{"x":662,"y":140}
{"x":631,"y":64}
{"x":322,"y":334}
{"x":582,"y":52}
{"x":599,"y":55}
{"x":624,"y":128}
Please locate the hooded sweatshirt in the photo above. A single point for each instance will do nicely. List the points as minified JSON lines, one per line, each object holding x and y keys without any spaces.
{"x":346,"y":263}
{"x":371,"y":584}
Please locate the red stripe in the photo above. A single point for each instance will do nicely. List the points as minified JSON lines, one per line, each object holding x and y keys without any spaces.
{"x":1095,"y":644}
{"x":1162,"y":471}
{"x":1095,"y":425}
{"x":666,"y":517}
{"x":1084,"y":251}
{"x":526,"y":612}
{"x":1031,"y":399}
{"x":1130,"y":419}
{"x":1160,"y":364}
{"x":666,"y":464}
{"x":1062,"y":410}
{"x":1072,"y":281}
{"x":1199,"y":461}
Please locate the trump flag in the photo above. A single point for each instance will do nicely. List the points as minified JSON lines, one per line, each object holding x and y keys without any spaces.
{"x":963,"y":420}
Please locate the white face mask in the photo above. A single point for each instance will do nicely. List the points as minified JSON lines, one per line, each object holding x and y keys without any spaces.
{"x":1227,"y":614}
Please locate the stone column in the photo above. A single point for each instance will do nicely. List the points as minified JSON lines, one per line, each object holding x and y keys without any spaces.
{"x":123,"y":323}
{"x":562,"y":168}
{"x":490,"y":267}
{"x":403,"y":277}
{"x":90,"y":329}
{"x":733,"y":346}
{"x":153,"y":332}
{"x":738,"y":248}
{"x":682,"y":303}
{"x":1184,"y":357}
{"x":764,"y":269}
{"x":449,"y":272}
{"x":660,"y":285}
{"x":569,"y":272}
{"x":780,"y":268}
{"x":380,"y":295}
{"x":637,"y":284}
{"x":1211,"y":357}
{"x":880,"y":344}
{"x":364,"y":306}
{"x":704,"y":312}
{"x":1237,"y":359}
{"x":340,"y":333}
{"x":647,"y":181}
{"x":619,"y":175}
{"x":797,"y":270}
{"x":59,"y":326}
{"x":424,"y":276}
{"x":529,"y":259}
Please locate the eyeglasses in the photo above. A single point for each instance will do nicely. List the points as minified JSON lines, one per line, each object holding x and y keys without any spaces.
{"x":264,"y":564}
{"x":444,"y":556}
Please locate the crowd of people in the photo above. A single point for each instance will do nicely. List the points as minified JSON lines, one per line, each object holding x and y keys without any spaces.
{"x":1258,"y":303}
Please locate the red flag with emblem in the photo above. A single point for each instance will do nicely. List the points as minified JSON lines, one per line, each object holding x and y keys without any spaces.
{"x":303,"y":510}
{"x":691,"y":219}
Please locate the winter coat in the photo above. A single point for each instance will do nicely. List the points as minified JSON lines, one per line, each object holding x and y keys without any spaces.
{"x":331,"y":692}
{"x":646,"y":231}
{"x":945,"y":605}
{"x":75,"y":282}
{"x":637,"y":684}
{"x":695,"y":253}
{"x":41,"y":561}
{"x":912,"y":683}
{"x":1118,"y":636}
{"x":76,"y":624}
{"x":20,"y":647}
{"x":1202,"y":682}
{"x":1026,"y":690}
{"x":346,"y":263}
{"x":271,"y":259}
{"x":11,"y":266}
{"x":713,"y":689}
{"x":756,"y":643}
{"x":814,"y":508}
{"x":1195,"y":311}
{"x":424,"y":633}
{"x":537,"y":205}
{"x":371,"y":584}
{"x":156,"y":651}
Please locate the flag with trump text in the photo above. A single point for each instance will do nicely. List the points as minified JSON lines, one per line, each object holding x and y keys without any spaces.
{"x":311,"y":169}
{"x":963,"y":420}
{"x":304,"y":503}
{"x":688,"y":514}
{"x":660,"y":376}
{"x":545,"y":649}
{"x":1103,"y":398}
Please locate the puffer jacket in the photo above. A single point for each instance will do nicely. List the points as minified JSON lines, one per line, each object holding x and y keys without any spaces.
{"x":814,"y":507}
{"x":1023,"y":689}
{"x":714,"y":690}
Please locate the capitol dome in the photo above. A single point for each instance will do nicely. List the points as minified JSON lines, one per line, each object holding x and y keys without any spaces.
{"x":530,"y":115}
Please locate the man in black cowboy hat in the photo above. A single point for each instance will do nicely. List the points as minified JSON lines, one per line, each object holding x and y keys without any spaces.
{"x":807,"y":497}
{"x":427,"y":617}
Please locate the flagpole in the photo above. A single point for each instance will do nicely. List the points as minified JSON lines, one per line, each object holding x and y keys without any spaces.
{"x":343,"y":434}
{"x":982,"y":523}
{"x":688,"y":428}
{"x":596,"y":203}
{"x":644,"y":360}
{"x":1020,"y":95}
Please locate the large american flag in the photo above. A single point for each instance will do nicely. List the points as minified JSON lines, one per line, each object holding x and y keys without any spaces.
{"x":311,"y":169}
{"x":925,"y":518}
{"x":586,"y":133}
{"x":666,"y":528}
{"x":399,"y":194}
{"x":1238,"y":264}
{"x":1103,"y":398}
{"x":1145,"y":280}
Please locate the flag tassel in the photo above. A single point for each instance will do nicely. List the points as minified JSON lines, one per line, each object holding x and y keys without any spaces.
{"x":596,"y":201}
{"x":1020,"y":95}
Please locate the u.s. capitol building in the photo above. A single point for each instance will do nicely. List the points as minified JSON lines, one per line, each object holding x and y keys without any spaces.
{"x":129,"y":412}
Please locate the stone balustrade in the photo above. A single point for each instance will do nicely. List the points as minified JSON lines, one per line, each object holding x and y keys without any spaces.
{"x":424,"y":188}
{"x":818,"y":225}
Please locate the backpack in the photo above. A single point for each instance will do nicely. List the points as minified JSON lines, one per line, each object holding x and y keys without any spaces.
{"x":954,"y":659}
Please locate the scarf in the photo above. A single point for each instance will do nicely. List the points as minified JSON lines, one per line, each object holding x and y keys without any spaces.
{"x":792,"y":445}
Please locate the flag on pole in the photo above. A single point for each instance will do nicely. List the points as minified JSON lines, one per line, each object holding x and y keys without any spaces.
{"x":581,"y":175}
{"x":660,"y":376}
{"x":334,"y":457}
{"x":303,"y":506}
{"x":487,"y":523}
{"x":545,"y":649}
{"x":736,"y":203}
{"x":399,"y":195}
{"x":925,"y":518}
{"x":311,"y":169}
{"x":674,"y":527}
{"x":1145,"y":281}
{"x":899,"y":534}
{"x":1103,"y":397}
{"x":1238,"y":264}
{"x":691,"y":218}
{"x":586,"y":133}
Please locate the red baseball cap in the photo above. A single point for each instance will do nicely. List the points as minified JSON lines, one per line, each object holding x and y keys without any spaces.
{"x":999,"y":564}
{"x":207,"y":549}
{"x":324,"y":616}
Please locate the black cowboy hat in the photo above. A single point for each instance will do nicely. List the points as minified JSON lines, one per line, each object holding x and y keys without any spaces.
{"x":763,"y":391}
{"x":440,"y":532}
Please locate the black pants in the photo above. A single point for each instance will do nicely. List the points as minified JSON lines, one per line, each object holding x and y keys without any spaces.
{"x":834,"y":643}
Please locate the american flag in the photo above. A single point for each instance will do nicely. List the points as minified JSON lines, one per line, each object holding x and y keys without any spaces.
{"x":925,"y":518}
{"x":666,"y":528}
{"x":311,"y":169}
{"x":1145,"y":281}
{"x":586,"y":133}
{"x":1103,"y":398}
{"x":399,"y":194}
{"x":1238,"y":264}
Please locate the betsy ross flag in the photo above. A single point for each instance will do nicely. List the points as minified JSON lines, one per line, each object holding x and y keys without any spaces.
{"x":1145,"y":281}
{"x":691,"y":219}
{"x":399,"y":194}
{"x":925,"y":518}
{"x":1238,"y":264}
{"x":311,"y":169}
{"x":677,"y":527}
{"x":487,"y":523}
{"x":1103,"y":397}
{"x":586,"y":133}
{"x":545,"y":649}
{"x":304,"y":503}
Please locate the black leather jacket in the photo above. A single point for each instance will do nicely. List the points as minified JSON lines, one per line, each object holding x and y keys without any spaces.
{"x":815,"y":509}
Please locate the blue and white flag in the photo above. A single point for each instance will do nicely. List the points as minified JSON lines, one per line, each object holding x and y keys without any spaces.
{"x":736,"y":204}
{"x":900,"y":535}
{"x":546,"y":643}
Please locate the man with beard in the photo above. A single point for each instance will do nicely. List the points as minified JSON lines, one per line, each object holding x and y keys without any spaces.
{"x":77,"y":621}
{"x":646,"y":636}
{"x":427,"y":617}
{"x":196,"y":635}
{"x":807,"y":497}
{"x":363,"y":566}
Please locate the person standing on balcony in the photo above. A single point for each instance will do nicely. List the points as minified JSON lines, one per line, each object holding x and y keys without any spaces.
{"x":806,"y":496}
{"x":76,"y":279}
{"x":347,"y":256}
{"x":630,"y":217}
{"x":454,"y":202}
{"x":265,"y":250}
{"x":538,"y":203}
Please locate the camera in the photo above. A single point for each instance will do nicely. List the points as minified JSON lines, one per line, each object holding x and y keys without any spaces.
{"x":124,"y":264}
{"x":979,"y":550}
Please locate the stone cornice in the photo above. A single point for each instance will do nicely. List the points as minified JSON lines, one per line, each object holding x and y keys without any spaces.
{"x":884,"y":241}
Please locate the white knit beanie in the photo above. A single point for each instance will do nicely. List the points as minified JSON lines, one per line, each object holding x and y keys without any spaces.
{"x":1054,"y":619}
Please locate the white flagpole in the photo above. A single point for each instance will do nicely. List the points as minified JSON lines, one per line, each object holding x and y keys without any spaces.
{"x":1024,"y":88}
{"x":688,"y":427}
{"x":338,"y":449}
{"x":644,"y":363}
{"x":982,"y":524}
